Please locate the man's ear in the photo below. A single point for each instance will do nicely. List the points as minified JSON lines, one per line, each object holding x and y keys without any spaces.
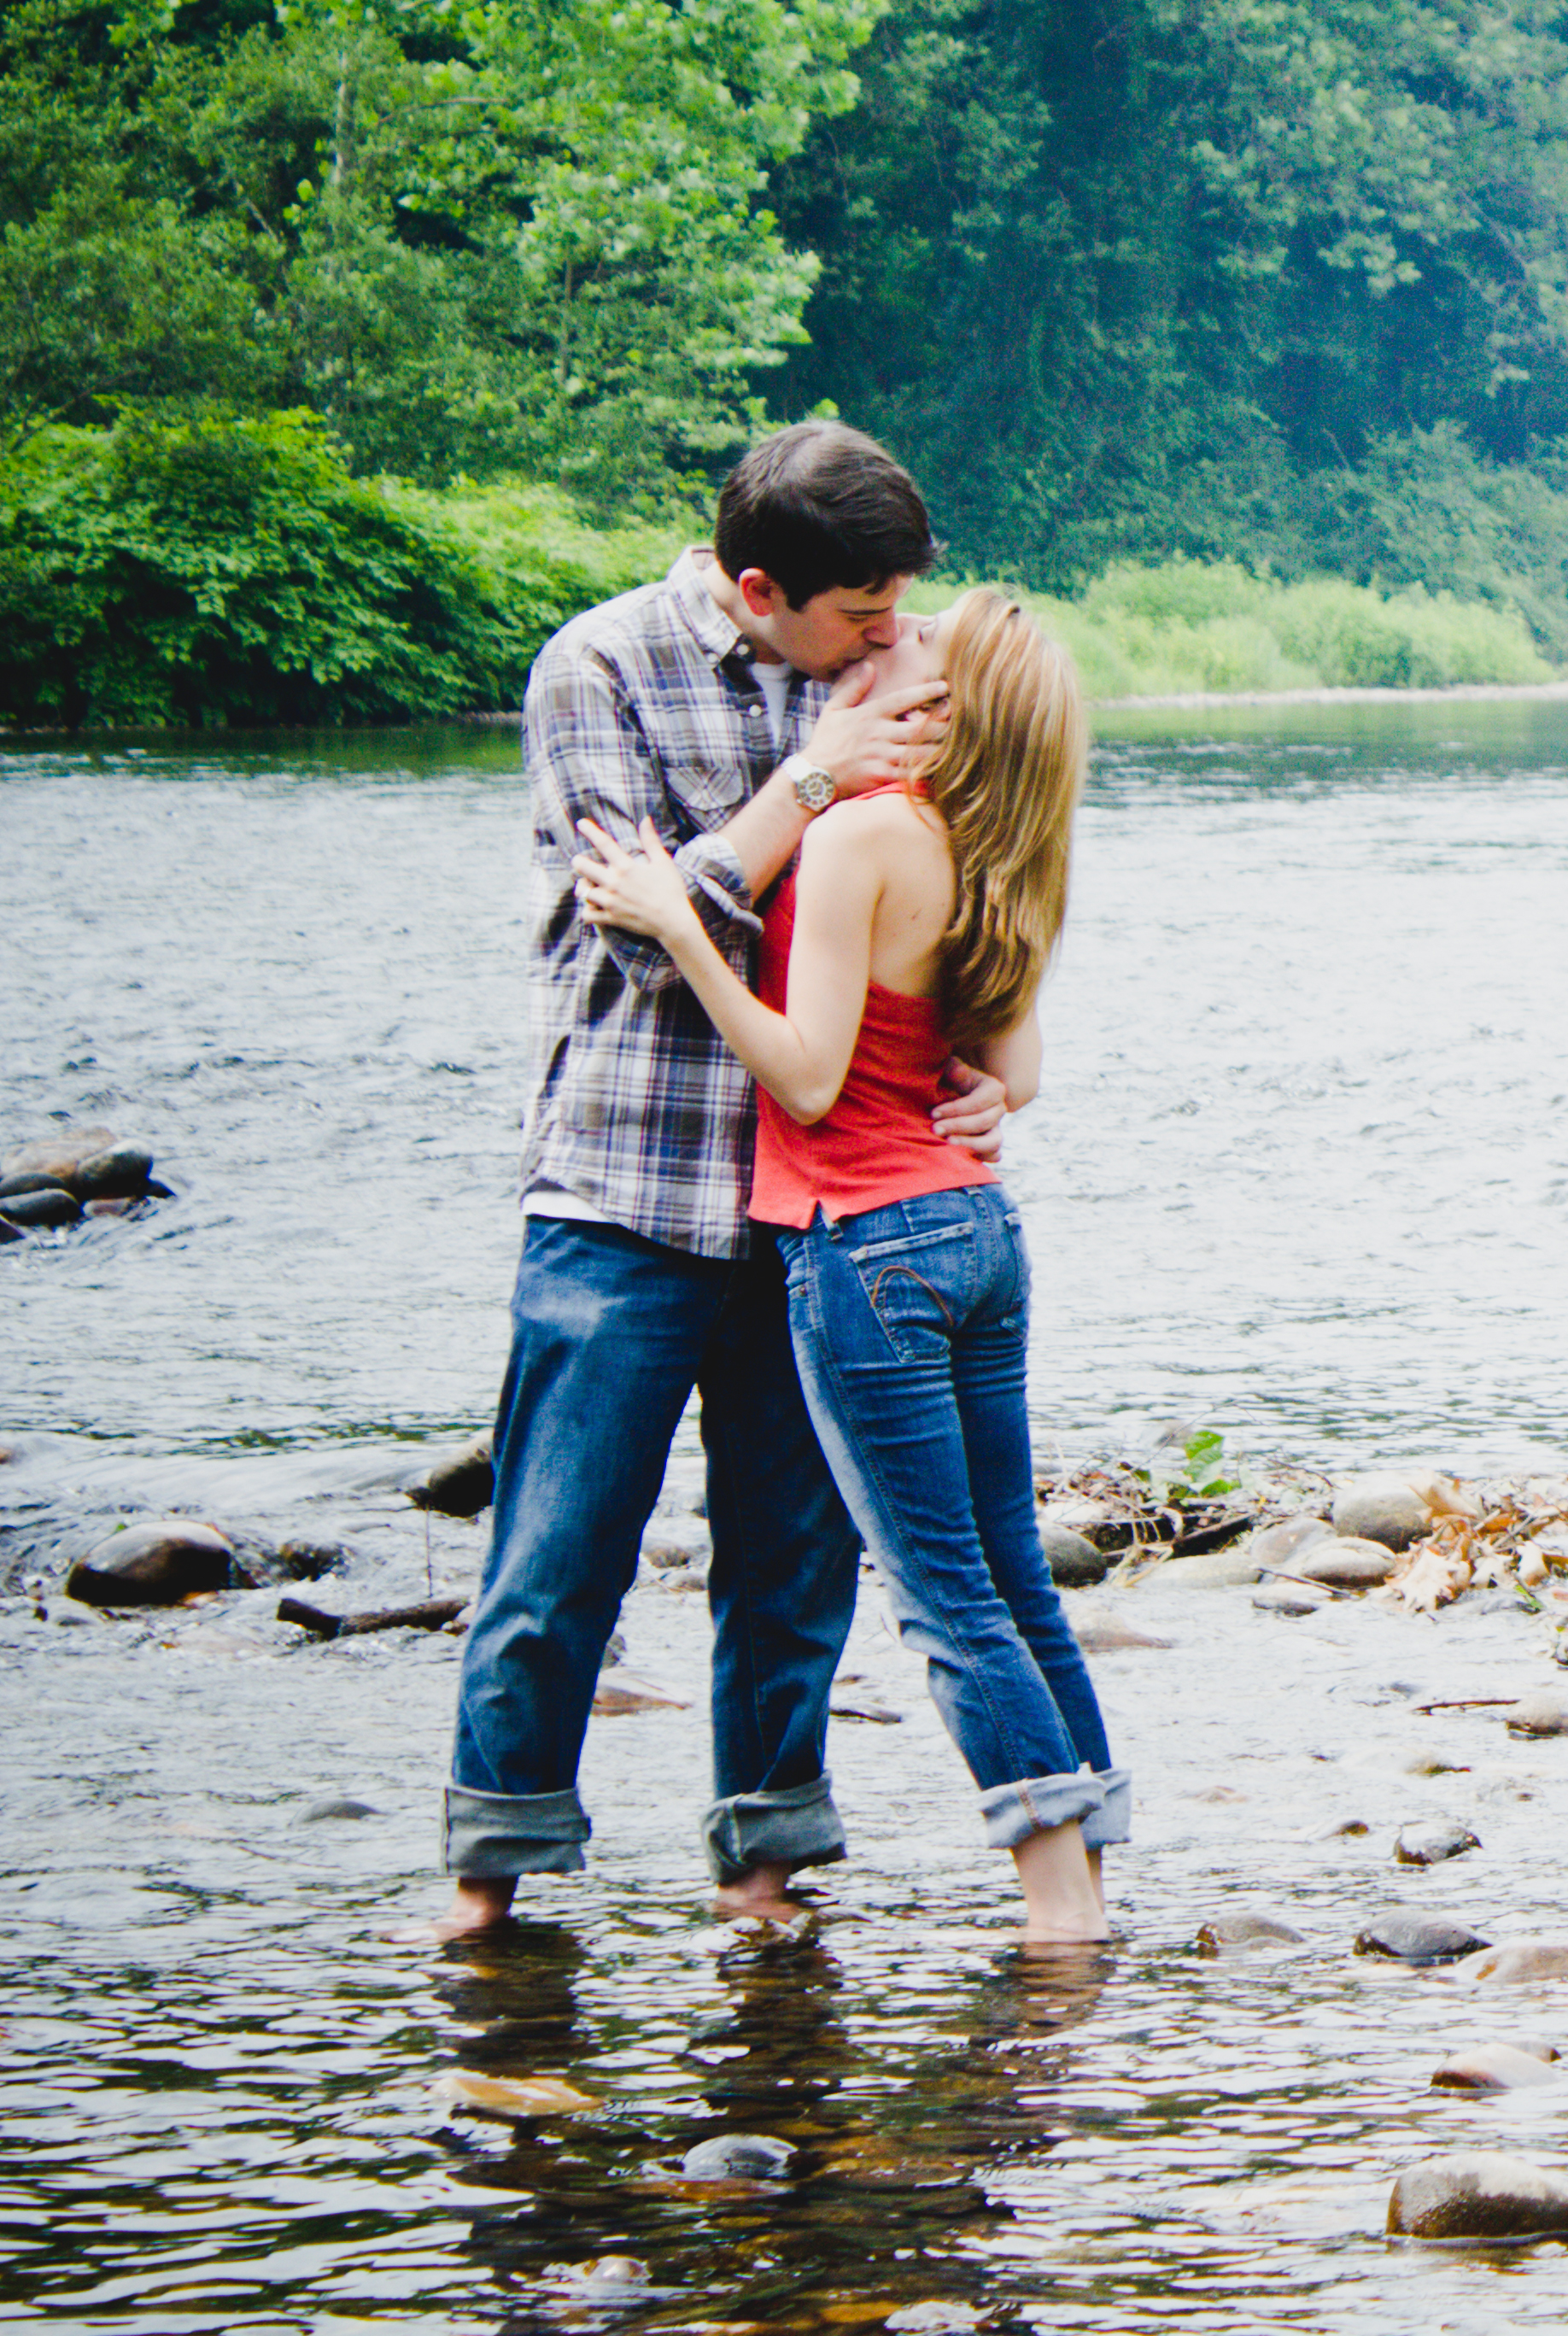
{"x":758,"y":589}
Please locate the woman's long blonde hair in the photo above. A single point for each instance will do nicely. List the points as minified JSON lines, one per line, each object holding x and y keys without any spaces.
{"x":1005,"y":781}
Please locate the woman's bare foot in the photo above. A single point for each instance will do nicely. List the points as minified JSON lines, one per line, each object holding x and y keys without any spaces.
{"x":761,"y":1893}
{"x":1060,"y":1884}
{"x":476,"y":1906}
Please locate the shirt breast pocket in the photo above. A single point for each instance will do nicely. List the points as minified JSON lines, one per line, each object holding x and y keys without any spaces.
{"x":704,"y":795}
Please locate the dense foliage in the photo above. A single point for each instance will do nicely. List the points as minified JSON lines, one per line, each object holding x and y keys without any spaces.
{"x":227,"y":570}
{"x":291,"y":290}
{"x":1284,"y":280}
{"x":470,"y":234}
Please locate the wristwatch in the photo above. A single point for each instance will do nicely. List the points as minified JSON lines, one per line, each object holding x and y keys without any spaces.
{"x":815,"y":787}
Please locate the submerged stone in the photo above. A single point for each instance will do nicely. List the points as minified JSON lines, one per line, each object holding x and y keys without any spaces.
{"x":1518,"y":1961}
{"x":738,"y":2158}
{"x":1227,"y":1933}
{"x":118,"y":1172}
{"x":1493,"y":2067}
{"x":1545,"y":1714}
{"x":1479,"y":2194}
{"x":1107,"y":1634}
{"x":1429,"y":1845}
{"x":154,"y":1566}
{"x":1291,"y":1598}
{"x":50,"y":1205}
{"x":1419,"y":1938}
{"x":333,"y":1811}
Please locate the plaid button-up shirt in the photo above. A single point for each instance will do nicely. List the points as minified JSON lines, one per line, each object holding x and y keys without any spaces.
{"x":646,"y":706}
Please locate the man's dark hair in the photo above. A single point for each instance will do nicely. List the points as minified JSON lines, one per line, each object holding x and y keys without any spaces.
{"x":820,"y":506}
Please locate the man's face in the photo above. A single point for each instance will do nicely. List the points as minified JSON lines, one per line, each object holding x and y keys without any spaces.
{"x":835,"y":628}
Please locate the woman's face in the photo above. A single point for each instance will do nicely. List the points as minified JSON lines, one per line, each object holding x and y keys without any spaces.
{"x":915,"y":656}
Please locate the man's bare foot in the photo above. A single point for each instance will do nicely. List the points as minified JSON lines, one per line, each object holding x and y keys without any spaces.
{"x":476,"y":1906}
{"x":762,"y":1894}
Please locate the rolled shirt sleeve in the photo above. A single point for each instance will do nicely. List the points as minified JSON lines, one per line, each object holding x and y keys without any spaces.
{"x":588,"y":757}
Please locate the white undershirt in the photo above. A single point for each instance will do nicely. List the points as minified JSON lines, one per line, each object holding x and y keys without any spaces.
{"x":773,"y":681}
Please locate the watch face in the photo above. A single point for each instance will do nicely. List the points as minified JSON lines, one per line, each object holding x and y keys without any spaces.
{"x":814,"y":790}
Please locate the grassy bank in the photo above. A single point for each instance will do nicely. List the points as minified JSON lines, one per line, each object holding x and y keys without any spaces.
{"x":234,"y":571}
{"x":1157,"y":632}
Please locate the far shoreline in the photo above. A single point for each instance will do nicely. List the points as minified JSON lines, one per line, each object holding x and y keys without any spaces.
{"x":1464,"y":693}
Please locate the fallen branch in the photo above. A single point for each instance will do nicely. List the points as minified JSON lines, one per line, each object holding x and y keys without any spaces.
{"x":1468,"y":1703}
{"x":430,"y":1614}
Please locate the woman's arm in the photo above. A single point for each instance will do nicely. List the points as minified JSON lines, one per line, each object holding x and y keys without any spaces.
{"x":1014,"y":1058}
{"x":801,"y":1056}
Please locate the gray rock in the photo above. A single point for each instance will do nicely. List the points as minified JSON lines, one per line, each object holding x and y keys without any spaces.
{"x":1430,"y":1844}
{"x":1382,"y":1509}
{"x":1479,"y":2194}
{"x":1419,"y":1938}
{"x":1107,"y":1634}
{"x":10,"y":1233}
{"x":119,"y":1172}
{"x":1493,"y":2067}
{"x":1343,"y":1562}
{"x":27,"y":1180}
{"x":1075,"y":1562}
{"x":1516,"y":1963}
{"x":1285,"y":1541}
{"x":50,"y":1205}
{"x":333,"y":1810}
{"x":1228,"y":1932}
{"x":154,"y":1566}
{"x":937,"y":2316}
{"x":738,"y":2158}
{"x":310,"y":1560}
{"x":459,"y":1484}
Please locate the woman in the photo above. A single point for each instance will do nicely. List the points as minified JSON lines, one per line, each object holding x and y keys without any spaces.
{"x":921,"y":921}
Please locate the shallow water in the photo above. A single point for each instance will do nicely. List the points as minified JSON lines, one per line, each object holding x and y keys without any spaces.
{"x":1300,"y":1174}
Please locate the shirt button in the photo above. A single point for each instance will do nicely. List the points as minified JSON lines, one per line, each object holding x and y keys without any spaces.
{"x":752,"y":712}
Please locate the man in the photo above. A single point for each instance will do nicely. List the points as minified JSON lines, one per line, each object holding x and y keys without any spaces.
{"x":703,"y":701}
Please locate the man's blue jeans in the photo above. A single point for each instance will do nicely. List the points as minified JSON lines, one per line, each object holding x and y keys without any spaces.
{"x":911,"y":1327}
{"x":610,"y":1333}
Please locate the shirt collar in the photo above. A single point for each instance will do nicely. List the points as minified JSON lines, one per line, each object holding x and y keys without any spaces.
{"x":719,"y":635}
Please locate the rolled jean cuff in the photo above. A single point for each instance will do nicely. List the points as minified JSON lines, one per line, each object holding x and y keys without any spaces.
{"x":1113,"y":1820}
{"x":796,"y":1826}
{"x":1013,"y":1812}
{"x":489,"y":1835}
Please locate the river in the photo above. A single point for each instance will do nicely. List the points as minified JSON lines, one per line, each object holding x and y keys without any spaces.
{"x":1300,"y":1174}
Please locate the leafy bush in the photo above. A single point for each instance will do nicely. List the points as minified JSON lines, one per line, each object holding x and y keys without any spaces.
{"x":227,"y":570}
{"x":1185,"y":626}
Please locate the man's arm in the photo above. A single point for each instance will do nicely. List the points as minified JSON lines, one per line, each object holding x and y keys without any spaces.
{"x":859,"y":740}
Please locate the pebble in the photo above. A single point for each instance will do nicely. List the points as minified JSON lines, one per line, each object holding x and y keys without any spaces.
{"x":1478,"y":2194}
{"x":459,"y":1484}
{"x":1419,"y":1938}
{"x":1538,"y":1715}
{"x":738,"y":2157}
{"x":1291,"y":1598}
{"x":621,"y":1693}
{"x":154,"y":1564}
{"x":1107,"y":1634}
{"x":1517,"y":1961}
{"x":308,"y":1560}
{"x":1075,"y":1562}
{"x":514,"y":2096}
{"x":1429,"y":1845}
{"x":1228,"y":1932}
{"x":1382,"y":1509}
{"x":1493,"y":2069}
